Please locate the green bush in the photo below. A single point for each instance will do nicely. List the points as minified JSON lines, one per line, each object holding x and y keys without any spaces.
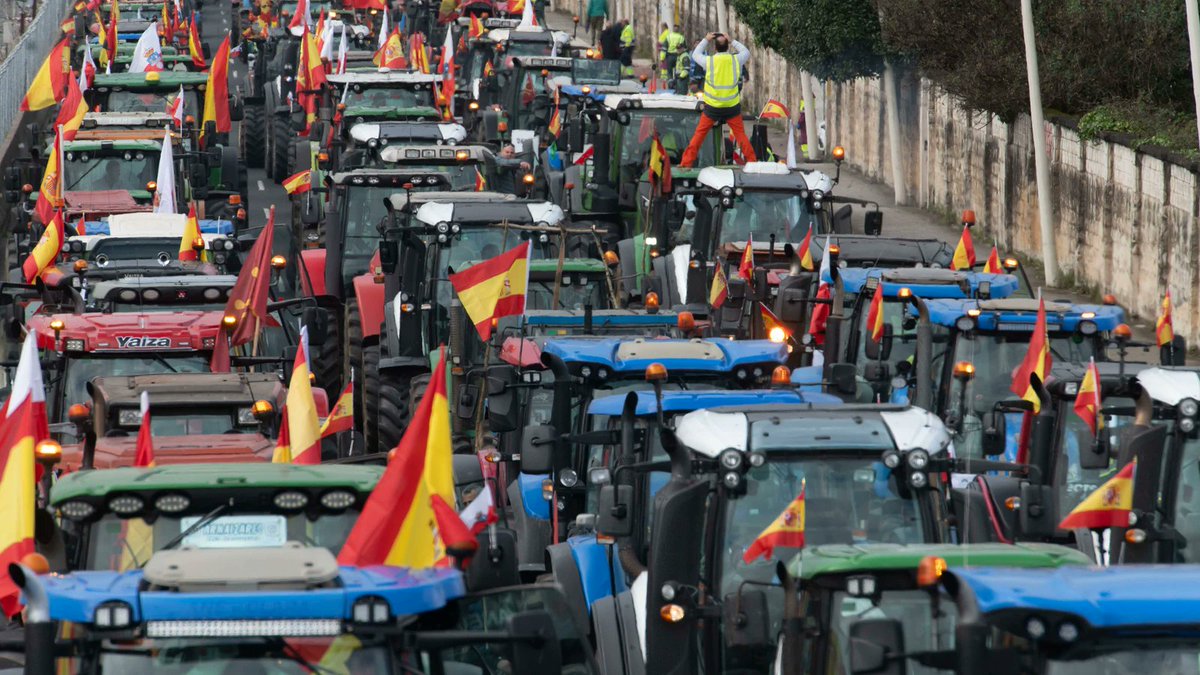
{"x":835,"y":40}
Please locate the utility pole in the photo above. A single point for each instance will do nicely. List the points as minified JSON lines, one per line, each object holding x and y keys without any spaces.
{"x":891,"y":97}
{"x":1040,"y":160}
{"x":1193,"y":20}
{"x":810,"y":116}
{"x":722,"y":18}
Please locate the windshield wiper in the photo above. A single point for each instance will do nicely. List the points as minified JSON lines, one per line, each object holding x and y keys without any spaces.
{"x":290,"y":652}
{"x":160,"y":359}
{"x":87,"y":173}
{"x":204,"y":521}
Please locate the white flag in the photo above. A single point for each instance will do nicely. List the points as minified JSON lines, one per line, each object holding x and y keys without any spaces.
{"x":791,"y":150}
{"x":383,"y":31}
{"x":175,"y":108}
{"x":88,"y":71}
{"x":528,"y":21}
{"x":480,"y":512}
{"x":343,"y":48}
{"x":166,"y":177}
{"x":147,"y":54}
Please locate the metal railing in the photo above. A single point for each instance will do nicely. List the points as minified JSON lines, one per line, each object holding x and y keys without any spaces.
{"x":26,"y":56}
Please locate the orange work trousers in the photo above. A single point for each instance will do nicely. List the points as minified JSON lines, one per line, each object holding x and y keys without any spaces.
{"x":702,"y":128}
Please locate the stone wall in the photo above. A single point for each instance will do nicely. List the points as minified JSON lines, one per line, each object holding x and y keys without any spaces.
{"x":1125,"y":221}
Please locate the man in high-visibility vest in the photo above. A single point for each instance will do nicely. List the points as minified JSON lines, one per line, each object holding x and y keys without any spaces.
{"x":627,"y":39}
{"x":670,"y":46}
{"x":722,"y":94}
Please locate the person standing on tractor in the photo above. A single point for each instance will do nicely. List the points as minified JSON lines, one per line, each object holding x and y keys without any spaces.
{"x":597,"y":12}
{"x":610,"y":41}
{"x":627,"y":44}
{"x":722,"y":94}
{"x":670,"y":45}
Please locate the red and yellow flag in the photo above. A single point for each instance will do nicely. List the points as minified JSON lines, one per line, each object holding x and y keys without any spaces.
{"x":746,"y":266}
{"x":1087,"y":400}
{"x":310,"y":72}
{"x":194,"y":49}
{"x":774,"y":110}
{"x":145,"y":440}
{"x":1037,"y":361}
{"x":804,"y":253}
{"x":109,"y":56}
{"x":476,"y":29}
{"x":480,"y":181}
{"x":341,"y":418}
{"x":397,"y":524}
{"x":248,"y":299}
{"x":787,"y":530}
{"x":46,"y":250}
{"x":556,"y":118}
{"x":494,"y":288}
{"x":22,"y":426}
{"x":70,"y":115}
{"x":773,"y":328}
{"x":49,"y":85}
{"x":303,"y":429}
{"x":50,"y":192}
{"x":964,"y":253}
{"x":993,"y":266}
{"x":216,"y":92}
{"x":1164,"y":328}
{"x":417,"y":55}
{"x":516,"y":6}
{"x":391,"y":53}
{"x":298,"y":183}
{"x":191,"y":244}
{"x":719,"y":290}
{"x":660,"y":167}
{"x":875,"y":315}
{"x":1108,"y":506}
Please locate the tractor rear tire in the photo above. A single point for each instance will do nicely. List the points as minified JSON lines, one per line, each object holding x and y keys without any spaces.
{"x":352,"y":365}
{"x":416,"y":389}
{"x":281,"y":148}
{"x":370,"y":379}
{"x":394,"y":412}
{"x":254,"y":136}
{"x":327,"y":364}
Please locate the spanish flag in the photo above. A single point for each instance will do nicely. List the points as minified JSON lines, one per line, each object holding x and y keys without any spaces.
{"x":191,"y":244}
{"x":397,"y":525}
{"x":1037,"y":361}
{"x":480,"y":181}
{"x":145,"y":440}
{"x":787,"y":530}
{"x":773,"y":328}
{"x":1108,"y":506}
{"x":341,"y":418}
{"x":516,"y":6}
{"x":488,"y":70}
{"x":49,"y":85}
{"x":555,"y":125}
{"x":477,"y":29}
{"x":417,"y":54}
{"x":46,"y":250}
{"x":248,"y":300}
{"x":746,"y":266}
{"x":875,"y":315}
{"x":194,"y":48}
{"x":660,"y":166}
{"x":964,"y":253}
{"x":298,"y":183}
{"x":1087,"y":400}
{"x":216,"y":92}
{"x":719,"y":290}
{"x":50,"y":192}
{"x":1164,"y":328}
{"x":774,"y":110}
{"x":992,"y":266}
{"x":804,"y":253}
{"x":70,"y":115}
{"x":303,"y":430}
{"x":391,"y":53}
{"x":22,"y":426}
{"x":494,"y":288}
{"x":310,"y":72}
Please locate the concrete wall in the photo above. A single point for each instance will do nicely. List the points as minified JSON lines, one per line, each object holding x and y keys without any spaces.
{"x":1125,"y":221}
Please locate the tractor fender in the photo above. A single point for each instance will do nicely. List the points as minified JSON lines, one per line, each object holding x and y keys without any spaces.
{"x":321,"y":399}
{"x":312,"y":277}
{"x":561,"y":563}
{"x":371,"y":301}
{"x":599,"y":573}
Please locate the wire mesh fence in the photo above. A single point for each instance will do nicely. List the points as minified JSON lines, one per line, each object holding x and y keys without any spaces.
{"x":26,"y":56}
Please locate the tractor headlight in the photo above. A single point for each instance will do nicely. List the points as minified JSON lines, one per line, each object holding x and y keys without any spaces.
{"x":371,"y":609}
{"x":113,"y":615}
{"x":730,"y":459}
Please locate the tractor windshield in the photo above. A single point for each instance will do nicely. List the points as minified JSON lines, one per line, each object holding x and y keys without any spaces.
{"x":763,"y":214}
{"x":575,"y":292}
{"x":80,"y":369}
{"x":1073,"y":482}
{"x":674,"y":127}
{"x":268,"y":656}
{"x":90,"y":172}
{"x":364,"y":209}
{"x":389,"y":97}
{"x":928,"y":627}
{"x":150,"y":101}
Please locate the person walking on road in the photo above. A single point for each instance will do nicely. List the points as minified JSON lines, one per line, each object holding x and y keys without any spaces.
{"x":597,"y":12}
{"x":722,"y":94}
{"x":627,"y":40}
{"x":610,"y":42}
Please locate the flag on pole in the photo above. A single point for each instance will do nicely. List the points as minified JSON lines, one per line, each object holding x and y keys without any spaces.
{"x":555,"y":125}
{"x":147,"y":53}
{"x":47,"y":249}
{"x":175,"y":108}
{"x":165,"y":192}
{"x":341,"y":418}
{"x":145,"y":440}
{"x":1109,"y":506}
{"x":494,"y":288}
{"x":804,"y":253}
{"x":875,"y":315}
{"x":384,"y":33}
{"x":391,"y":53}
{"x":481,"y":512}
{"x":719,"y":290}
{"x":216,"y":92}
{"x":194,"y":48}
{"x":1087,"y":400}
{"x":786,"y":531}
{"x":790,"y":162}
{"x":964,"y":252}
{"x":191,"y":244}
{"x":480,"y":181}
{"x":298,"y":183}
{"x":49,"y":85}
{"x":819,"y":315}
{"x":70,"y":115}
{"x":1164,"y":327}
{"x":302,"y":16}
{"x":660,"y":167}
{"x":396,"y":524}
{"x":1037,"y":361}
{"x":457,"y":538}
{"x":528,"y":19}
{"x":343,"y":50}
{"x":87,"y":73}
{"x":248,"y":300}
{"x":304,"y":432}
{"x":476,"y":29}
{"x":746,"y":266}
{"x":774,"y":110}
{"x":992,"y":266}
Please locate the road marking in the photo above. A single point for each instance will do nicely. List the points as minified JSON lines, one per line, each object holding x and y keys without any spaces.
{"x":266,"y":213}
{"x":261,"y":187}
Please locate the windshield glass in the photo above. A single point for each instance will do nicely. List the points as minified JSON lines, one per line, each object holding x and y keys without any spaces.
{"x":209,"y":420}
{"x":1187,"y":499}
{"x":364,"y":209}
{"x":81,"y":369}
{"x":135,"y":248}
{"x":924,"y":630}
{"x":1110,"y":659}
{"x":996,"y":357}
{"x":257,"y":656}
{"x":86,"y":172}
{"x":1076,"y":483}
{"x":761,"y":214}
{"x":391,"y":97}
{"x":674,"y":127}
{"x":904,"y":348}
{"x":576,"y":291}
{"x":150,"y":101}
{"x":121,"y":544}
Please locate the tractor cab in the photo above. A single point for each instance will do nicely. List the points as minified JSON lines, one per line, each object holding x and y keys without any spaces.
{"x":132,"y":240}
{"x":149,"y":92}
{"x":384,"y":95}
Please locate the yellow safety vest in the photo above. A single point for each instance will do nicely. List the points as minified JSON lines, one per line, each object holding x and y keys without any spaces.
{"x":674,"y":42}
{"x":627,"y":36}
{"x":722,"y":74}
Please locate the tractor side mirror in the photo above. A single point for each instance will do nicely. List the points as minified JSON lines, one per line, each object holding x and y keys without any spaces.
{"x":843,"y":378}
{"x":879,"y":351}
{"x":503,"y":413}
{"x":317,"y":322}
{"x":746,"y":619}
{"x":1174,"y":353}
{"x":873,"y":223}
{"x":536,"y":648}
{"x":237,"y":109}
{"x":994,"y":436}
{"x":1037,"y":515}
{"x":1097,"y":455}
{"x":841,"y":220}
{"x":389,"y":255}
{"x":537,"y":448}
{"x":615,"y":511}
{"x":877,"y":646}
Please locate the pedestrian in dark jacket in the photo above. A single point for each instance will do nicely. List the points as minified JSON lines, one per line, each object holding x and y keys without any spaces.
{"x":610,"y":41}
